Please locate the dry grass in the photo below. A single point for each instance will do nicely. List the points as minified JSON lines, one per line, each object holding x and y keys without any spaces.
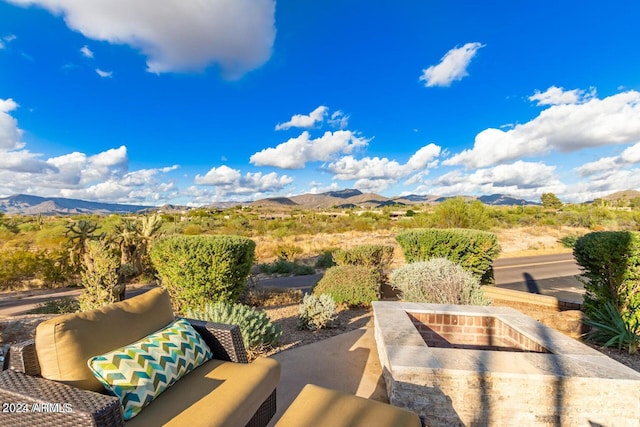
{"x":534,"y":240}
{"x":521,"y":241}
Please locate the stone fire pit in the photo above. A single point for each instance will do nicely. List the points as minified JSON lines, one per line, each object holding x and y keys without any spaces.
{"x":493,"y":366}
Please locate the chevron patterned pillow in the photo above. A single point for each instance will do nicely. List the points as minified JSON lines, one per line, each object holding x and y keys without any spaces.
{"x":139,"y":372}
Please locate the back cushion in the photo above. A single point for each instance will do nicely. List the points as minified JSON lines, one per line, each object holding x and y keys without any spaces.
{"x":65,"y":343}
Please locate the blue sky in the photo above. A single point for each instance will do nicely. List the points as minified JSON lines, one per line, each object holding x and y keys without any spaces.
{"x":193,"y":102}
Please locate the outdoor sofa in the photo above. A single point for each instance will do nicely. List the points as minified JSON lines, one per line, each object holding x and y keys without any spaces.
{"x":49,"y":381}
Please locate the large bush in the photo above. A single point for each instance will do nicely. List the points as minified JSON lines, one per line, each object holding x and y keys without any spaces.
{"x":200,"y":269}
{"x":257,"y":330}
{"x":474,"y":250}
{"x":458,"y":213}
{"x":353,"y":285}
{"x":437,"y":281}
{"x":374,"y":256}
{"x":611,"y":265}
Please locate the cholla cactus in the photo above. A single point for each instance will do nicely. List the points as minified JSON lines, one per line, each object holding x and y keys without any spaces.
{"x":317,"y":312}
{"x":256,"y":327}
{"x":99,"y":276}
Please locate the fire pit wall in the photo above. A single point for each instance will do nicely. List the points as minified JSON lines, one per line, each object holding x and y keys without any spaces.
{"x":493,"y":366}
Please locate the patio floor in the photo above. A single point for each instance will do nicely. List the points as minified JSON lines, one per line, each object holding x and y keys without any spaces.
{"x":347,"y":362}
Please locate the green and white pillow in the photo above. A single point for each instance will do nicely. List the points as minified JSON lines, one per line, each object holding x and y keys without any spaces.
{"x":139,"y":372}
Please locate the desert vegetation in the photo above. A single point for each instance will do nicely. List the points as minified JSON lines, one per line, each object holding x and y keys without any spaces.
{"x":205,"y":257}
{"x":38,"y":251}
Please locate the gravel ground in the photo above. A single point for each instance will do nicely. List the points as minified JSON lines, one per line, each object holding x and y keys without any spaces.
{"x":287,"y":317}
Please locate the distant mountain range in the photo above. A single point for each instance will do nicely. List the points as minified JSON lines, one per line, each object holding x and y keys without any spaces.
{"x":347,"y":198}
{"x":351,"y":198}
{"x":34,"y":205}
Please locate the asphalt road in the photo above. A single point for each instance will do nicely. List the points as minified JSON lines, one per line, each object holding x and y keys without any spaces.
{"x":553,"y":275}
{"x":546,"y":274}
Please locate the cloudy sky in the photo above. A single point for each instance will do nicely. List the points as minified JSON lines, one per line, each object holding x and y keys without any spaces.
{"x":192,"y":102}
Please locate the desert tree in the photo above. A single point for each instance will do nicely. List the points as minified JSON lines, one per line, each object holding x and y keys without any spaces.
{"x":550,"y":201}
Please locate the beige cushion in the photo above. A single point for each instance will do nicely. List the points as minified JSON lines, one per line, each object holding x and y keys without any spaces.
{"x":321,"y":407}
{"x":215,"y":394}
{"x":65,"y":343}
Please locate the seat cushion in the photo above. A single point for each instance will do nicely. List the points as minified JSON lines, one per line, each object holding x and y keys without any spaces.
{"x":321,"y":407}
{"x":137,"y":373}
{"x":65,"y":343}
{"x":215,"y":394}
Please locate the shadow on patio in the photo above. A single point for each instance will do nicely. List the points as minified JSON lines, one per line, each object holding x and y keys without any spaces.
{"x":347,"y":362}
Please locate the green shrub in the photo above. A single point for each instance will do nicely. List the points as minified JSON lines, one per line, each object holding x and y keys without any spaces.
{"x":288,"y":252}
{"x":57,"y":306}
{"x":458,"y":213}
{"x":569,"y":241}
{"x":257,"y":330}
{"x":317,"y":312}
{"x":610,"y":328}
{"x":282,"y":266}
{"x":18,"y":265}
{"x":374,"y":256}
{"x":437,"y":281}
{"x":99,"y":276}
{"x":325,"y":260}
{"x":200,"y":269}
{"x":611,"y":266}
{"x":474,"y":250}
{"x":353,"y":285}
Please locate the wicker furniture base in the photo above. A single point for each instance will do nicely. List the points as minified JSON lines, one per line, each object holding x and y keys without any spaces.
{"x":40,"y":402}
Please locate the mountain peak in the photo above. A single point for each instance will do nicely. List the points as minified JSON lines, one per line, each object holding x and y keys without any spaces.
{"x":343,"y":194}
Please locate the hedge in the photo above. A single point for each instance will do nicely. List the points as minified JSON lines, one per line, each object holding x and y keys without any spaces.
{"x":201,"y":269}
{"x":353,"y":285}
{"x":474,"y":250}
{"x":611,"y":266}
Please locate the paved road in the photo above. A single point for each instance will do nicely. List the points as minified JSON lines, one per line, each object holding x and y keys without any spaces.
{"x":547,"y":274}
{"x":553,"y":275}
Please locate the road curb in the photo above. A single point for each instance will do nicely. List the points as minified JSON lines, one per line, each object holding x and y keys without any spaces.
{"x":494,"y":292}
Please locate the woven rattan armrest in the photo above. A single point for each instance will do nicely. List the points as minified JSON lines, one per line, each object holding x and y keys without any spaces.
{"x":23,"y":358}
{"x":33,"y":401}
{"x":224,"y":340}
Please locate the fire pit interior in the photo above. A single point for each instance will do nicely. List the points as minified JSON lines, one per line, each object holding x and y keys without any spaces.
{"x":472,"y":333}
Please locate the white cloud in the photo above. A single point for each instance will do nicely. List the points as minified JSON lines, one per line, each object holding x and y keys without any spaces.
{"x":6,"y":39}
{"x":24,"y":161}
{"x":104,"y":74}
{"x":605,"y":163}
{"x":104,"y":176}
{"x":565,"y":128}
{"x":86,"y":52}
{"x":177,"y":35}
{"x":522,"y":179}
{"x":296,"y":152}
{"x":10,"y":134}
{"x":628,"y":157}
{"x":558,"y":96}
{"x":374,"y":174}
{"x":603,"y":184}
{"x":631,"y":155}
{"x":452,"y":66}
{"x":229,"y":182}
{"x":339,"y":120}
{"x":348,"y":167}
{"x":222,"y":175}
{"x":305,"y":121}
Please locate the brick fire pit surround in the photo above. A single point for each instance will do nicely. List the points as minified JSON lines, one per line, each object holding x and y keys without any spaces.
{"x":493,"y":366}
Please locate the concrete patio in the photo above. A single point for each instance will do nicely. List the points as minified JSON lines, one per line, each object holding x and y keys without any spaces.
{"x":347,"y":362}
